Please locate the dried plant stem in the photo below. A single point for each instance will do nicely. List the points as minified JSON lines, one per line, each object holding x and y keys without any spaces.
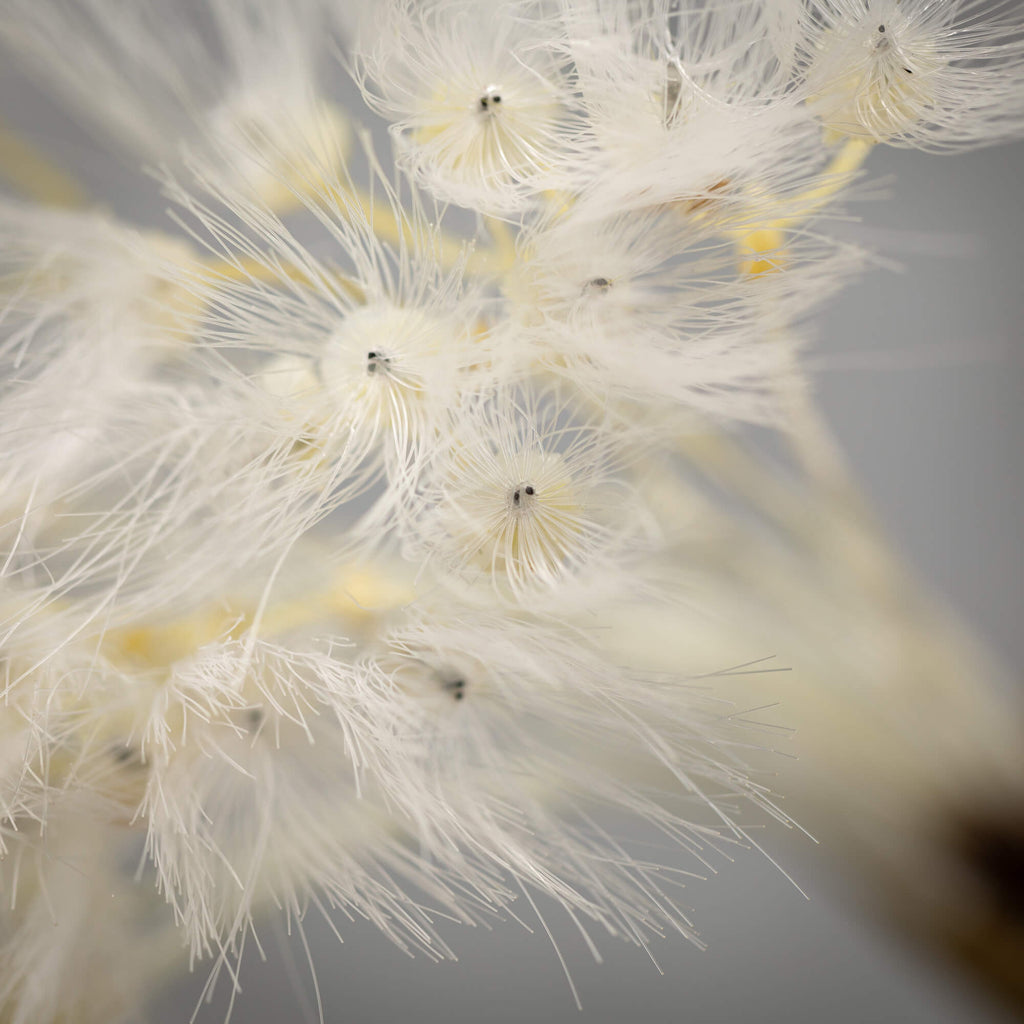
{"x":33,"y":175}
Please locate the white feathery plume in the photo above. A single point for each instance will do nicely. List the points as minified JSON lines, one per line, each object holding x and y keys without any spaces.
{"x":67,"y":733}
{"x":160,"y":80}
{"x":724,"y":51}
{"x":328,"y":537}
{"x":590,"y":296}
{"x":463,"y":735}
{"x":374,"y":351}
{"x":511,"y":707}
{"x":360,"y":360}
{"x":90,"y":309}
{"x":89,"y":305}
{"x":476,"y":94}
{"x":692,"y":119}
{"x":525,"y":490}
{"x":935,"y":76}
{"x":254,"y":794}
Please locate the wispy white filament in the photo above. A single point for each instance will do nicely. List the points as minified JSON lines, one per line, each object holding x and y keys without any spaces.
{"x":476,"y":93}
{"x":334,"y":524}
{"x":933,"y":76}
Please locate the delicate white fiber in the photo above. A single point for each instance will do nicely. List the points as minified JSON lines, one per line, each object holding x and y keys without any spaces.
{"x":935,"y":76}
{"x":362,"y":554}
{"x":653,"y":307}
{"x":160,"y":79}
{"x":685,"y":106}
{"x":476,"y":94}
{"x":526,"y":489}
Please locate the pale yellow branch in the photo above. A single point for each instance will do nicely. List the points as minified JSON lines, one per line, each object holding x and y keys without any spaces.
{"x":449,"y":250}
{"x":355,"y":597}
{"x":760,"y":248}
{"x":33,"y":175}
{"x":248,"y":268}
{"x":839,"y":173}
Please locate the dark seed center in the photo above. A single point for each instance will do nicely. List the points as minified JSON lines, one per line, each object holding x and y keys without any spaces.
{"x":522,"y":491}
{"x":456,"y":687}
{"x":376,"y":361}
{"x":490,"y":100}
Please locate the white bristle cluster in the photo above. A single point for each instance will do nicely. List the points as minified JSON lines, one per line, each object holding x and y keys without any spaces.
{"x":237,"y":86}
{"x":331,"y":523}
{"x":524,"y":491}
{"x":933,"y":76}
{"x":476,"y":94}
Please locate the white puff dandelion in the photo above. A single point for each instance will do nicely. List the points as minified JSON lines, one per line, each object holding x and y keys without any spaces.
{"x":160,"y":82}
{"x":932,"y":76}
{"x":589,"y":296}
{"x":526,"y":490}
{"x":476,"y":94}
{"x":683,"y":107}
{"x":359,"y":554}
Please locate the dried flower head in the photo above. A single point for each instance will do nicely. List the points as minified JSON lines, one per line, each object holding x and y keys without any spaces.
{"x":361,"y":553}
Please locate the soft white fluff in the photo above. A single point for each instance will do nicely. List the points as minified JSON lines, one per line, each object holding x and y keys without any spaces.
{"x":331,"y":520}
{"x":937,"y":76}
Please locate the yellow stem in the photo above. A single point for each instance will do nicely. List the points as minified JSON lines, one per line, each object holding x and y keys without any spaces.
{"x":836,"y":177}
{"x":389,"y":228}
{"x":33,"y":175}
{"x":248,"y":268}
{"x":760,"y":247}
{"x":449,"y":250}
{"x":355,"y":597}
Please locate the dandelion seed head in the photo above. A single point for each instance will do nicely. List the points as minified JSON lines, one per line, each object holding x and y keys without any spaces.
{"x":278,"y":155}
{"x":524,"y":492}
{"x":592,"y":299}
{"x":886,"y":89}
{"x":359,"y":552}
{"x":932,"y":76}
{"x":527,"y":530}
{"x":391,"y":368}
{"x":476,"y":95}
